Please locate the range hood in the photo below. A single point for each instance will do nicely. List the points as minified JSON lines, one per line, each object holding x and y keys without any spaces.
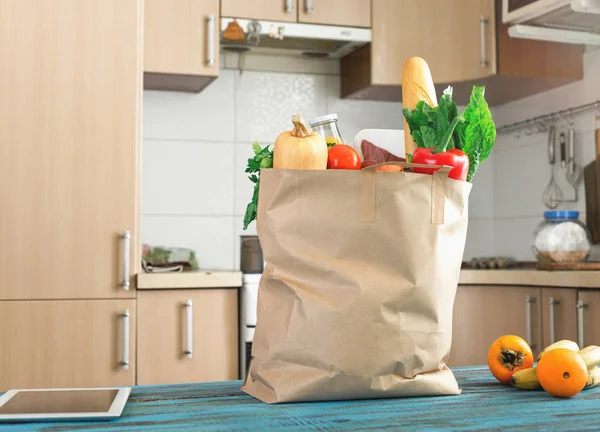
{"x":567,"y":21}
{"x":297,"y":39}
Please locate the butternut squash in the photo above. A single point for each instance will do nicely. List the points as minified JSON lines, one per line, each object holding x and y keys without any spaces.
{"x":300,"y":149}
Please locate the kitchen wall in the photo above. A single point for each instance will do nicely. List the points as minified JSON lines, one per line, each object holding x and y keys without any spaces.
{"x":196,"y":146}
{"x":521,"y":172}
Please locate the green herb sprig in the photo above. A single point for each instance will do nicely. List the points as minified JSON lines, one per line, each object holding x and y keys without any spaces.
{"x":263,"y":158}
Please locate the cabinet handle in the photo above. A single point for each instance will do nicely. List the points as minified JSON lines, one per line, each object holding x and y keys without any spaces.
{"x":528,"y":301}
{"x":580,"y":307}
{"x":189,"y":330}
{"x":126,"y":236}
{"x":289,"y":6}
{"x":308,"y":8}
{"x":482,"y":22}
{"x":552,"y":303}
{"x":125,"y":362}
{"x":210,"y":40}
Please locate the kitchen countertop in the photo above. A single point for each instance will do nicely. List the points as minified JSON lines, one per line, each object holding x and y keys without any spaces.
{"x":573,"y":279}
{"x":526,"y":276}
{"x":199,"y":279}
{"x":221,"y":406}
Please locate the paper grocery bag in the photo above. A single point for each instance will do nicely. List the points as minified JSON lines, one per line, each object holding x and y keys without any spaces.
{"x":357,"y":296}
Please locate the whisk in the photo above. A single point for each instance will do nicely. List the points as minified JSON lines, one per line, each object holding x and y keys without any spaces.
{"x":552,"y":193}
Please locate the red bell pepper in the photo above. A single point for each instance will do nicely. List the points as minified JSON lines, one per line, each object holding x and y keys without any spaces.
{"x":455,"y":158}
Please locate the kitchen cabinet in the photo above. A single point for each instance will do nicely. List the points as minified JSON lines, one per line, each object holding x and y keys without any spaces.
{"x":352,"y":13}
{"x":270,"y":10}
{"x":77,"y":343}
{"x":588,"y":311}
{"x":181,"y":44}
{"x":464,"y":43}
{"x":69,"y":152}
{"x":484,"y":313}
{"x":456,"y":38}
{"x":187,"y":336}
{"x":559,"y":318}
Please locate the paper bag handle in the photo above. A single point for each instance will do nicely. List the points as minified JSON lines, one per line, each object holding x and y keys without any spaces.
{"x":368,"y":190}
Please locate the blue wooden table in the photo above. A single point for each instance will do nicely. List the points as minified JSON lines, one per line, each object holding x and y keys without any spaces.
{"x":221,"y":406}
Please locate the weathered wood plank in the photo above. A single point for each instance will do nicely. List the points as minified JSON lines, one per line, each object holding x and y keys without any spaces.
{"x":221,"y":406}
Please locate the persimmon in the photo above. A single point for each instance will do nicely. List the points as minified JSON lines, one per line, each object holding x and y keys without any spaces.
{"x":562,"y":373}
{"x":507,"y":355}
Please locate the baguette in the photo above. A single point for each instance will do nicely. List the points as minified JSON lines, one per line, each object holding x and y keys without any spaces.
{"x":417,"y":85}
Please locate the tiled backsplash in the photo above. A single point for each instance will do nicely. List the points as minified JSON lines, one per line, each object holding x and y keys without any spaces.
{"x":194,"y":190}
{"x":196,"y":146}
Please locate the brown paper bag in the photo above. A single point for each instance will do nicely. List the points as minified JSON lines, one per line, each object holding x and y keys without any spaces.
{"x":356,"y":299}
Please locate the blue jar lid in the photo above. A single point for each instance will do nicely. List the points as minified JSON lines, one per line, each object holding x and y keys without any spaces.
{"x":561,"y":214}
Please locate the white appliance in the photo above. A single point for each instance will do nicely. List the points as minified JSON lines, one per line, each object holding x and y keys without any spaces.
{"x":285,"y":38}
{"x":248,"y":318}
{"x":566,"y":21}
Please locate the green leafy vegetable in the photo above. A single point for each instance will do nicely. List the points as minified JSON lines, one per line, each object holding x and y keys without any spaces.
{"x":478,"y":134}
{"x":263,"y":158}
{"x":430,"y":126}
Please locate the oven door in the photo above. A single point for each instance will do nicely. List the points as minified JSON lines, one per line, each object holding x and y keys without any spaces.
{"x":247,"y":352}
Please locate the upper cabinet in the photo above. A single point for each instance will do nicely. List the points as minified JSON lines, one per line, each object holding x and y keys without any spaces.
{"x":352,"y":13}
{"x":69,"y":148}
{"x":270,"y":10}
{"x":465,"y":43}
{"x":456,"y":38}
{"x":181,"y":44}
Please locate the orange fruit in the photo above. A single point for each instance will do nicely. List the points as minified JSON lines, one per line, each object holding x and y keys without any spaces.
{"x":507,"y":355}
{"x":562,"y":373}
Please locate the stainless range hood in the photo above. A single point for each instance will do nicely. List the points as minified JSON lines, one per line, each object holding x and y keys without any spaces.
{"x":567,"y":21}
{"x":297,"y":39}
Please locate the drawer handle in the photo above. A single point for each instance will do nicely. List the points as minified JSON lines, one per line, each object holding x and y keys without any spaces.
{"x":210,"y":40}
{"x":289,"y":6}
{"x":125,"y":362}
{"x":528,"y":301}
{"x":482,"y":22}
{"x":189,"y":330}
{"x":308,"y":7}
{"x":126,"y":236}
{"x":580,"y":307}
{"x":552,"y":303}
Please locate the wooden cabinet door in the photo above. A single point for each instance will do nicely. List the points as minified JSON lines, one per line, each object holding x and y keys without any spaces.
{"x":484,"y":313}
{"x":179,"y":39}
{"x":559,"y":315}
{"x":168,"y":318}
{"x":354,"y":13}
{"x":270,"y":10}
{"x":447,"y":34}
{"x":588,"y":308}
{"x":78,"y":343}
{"x":69,"y":146}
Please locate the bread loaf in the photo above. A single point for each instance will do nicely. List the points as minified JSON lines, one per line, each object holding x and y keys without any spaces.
{"x":417,"y":85}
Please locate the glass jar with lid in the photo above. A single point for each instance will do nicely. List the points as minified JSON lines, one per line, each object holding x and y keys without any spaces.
{"x":327,"y":127}
{"x":561,"y":238}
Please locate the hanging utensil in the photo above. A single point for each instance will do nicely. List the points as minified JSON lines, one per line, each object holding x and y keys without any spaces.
{"x":552,"y":194}
{"x":563,"y":151}
{"x":574,"y":171}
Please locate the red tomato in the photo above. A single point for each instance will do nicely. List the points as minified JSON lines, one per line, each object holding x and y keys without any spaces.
{"x":342,"y":156}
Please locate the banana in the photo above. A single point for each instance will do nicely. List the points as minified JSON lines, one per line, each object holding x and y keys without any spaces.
{"x":591,"y":356}
{"x":570,"y":345}
{"x":593,"y":378}
{"x":525,"y":379}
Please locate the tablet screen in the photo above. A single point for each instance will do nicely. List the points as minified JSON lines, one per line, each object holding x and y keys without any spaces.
{"x":70,"y":401}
